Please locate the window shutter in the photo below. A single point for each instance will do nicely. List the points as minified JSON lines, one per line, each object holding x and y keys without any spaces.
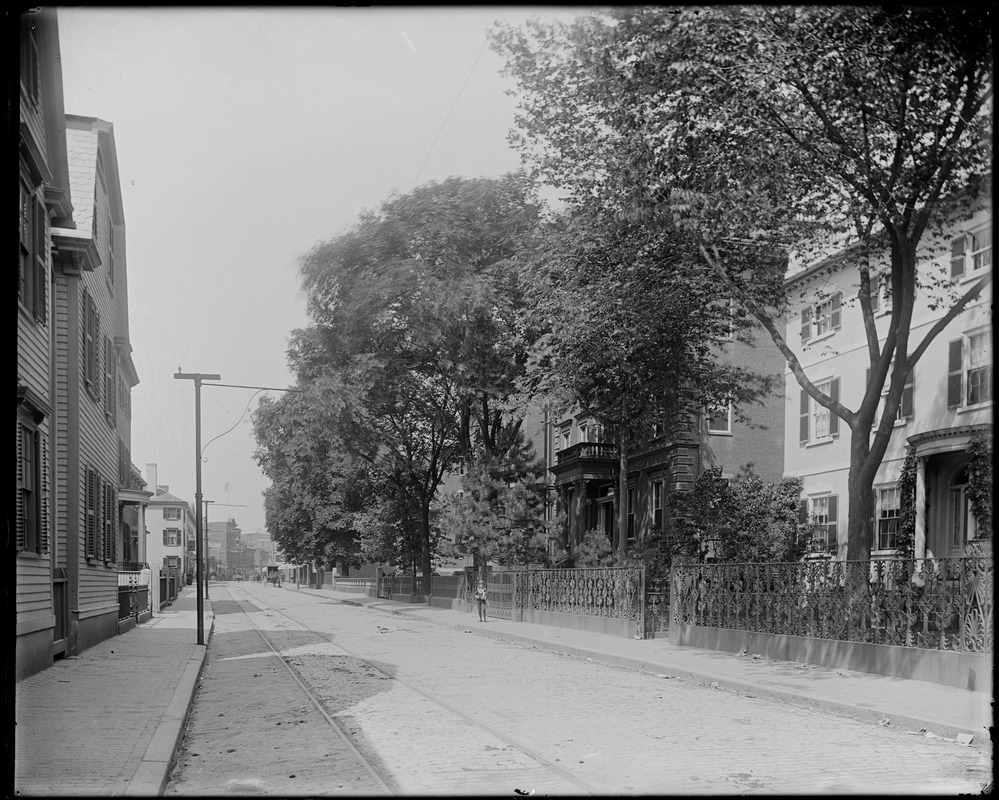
{"x":957,"y":257}
{"x":20,"y":487}
{"x":43,"y":538}
{"x":98,"y":358}
{"x":803,"y":428}
{"x":39,"y":272}
{"x":835,"y":315}
{"x":85,"y":337}
{"x":954,"y":358}
{"x":831,"y":527}
{"x":91,"y":489}
{"x":803,"y":512}
{"x":833,"y":419}
{"x":806,"y":323}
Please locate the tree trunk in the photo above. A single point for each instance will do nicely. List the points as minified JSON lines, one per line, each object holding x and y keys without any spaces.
{"x":425,"y":541}
{"x":621,"y":537}
{"x":860,"y":486}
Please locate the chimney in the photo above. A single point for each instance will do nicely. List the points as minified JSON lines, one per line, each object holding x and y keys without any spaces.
{"x":151,"y":477}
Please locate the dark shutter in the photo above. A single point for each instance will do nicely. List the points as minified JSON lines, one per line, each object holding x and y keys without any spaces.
{"x":85,"y":330}
{"x":954,"y":357}
{"x":43,"y":538}
{"x":91,"y":543}
{"x":39,"y":271}
{"x":833,"y":419}
{"x":835,"y":315}
{"x":957,"y":257}
{"x":832,"y":524}
{"x":803,"y":512}
{"x":803,"y":430}
{"x":806,"y":323}
{"x":19,"y":525}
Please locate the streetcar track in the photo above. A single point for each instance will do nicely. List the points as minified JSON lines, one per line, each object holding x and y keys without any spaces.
{"x":343,"y":734}
{"x":469,"y":719}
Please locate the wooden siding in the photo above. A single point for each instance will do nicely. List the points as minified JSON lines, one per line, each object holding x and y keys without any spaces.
{"x":34,"y":587}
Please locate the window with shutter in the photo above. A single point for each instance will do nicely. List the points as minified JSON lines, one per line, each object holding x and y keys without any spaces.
{"x":40,"y":261}
{"x":969,"y":370}
{"x":43,"y":540}
{"x":19,"y":527}
{"x":91,"y":513}
{"x":818,"y":423}
{"x":971,"y":253}
{"x":109,"y":379}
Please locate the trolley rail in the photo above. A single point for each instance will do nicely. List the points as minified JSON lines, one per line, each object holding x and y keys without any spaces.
{"x":541,"y":760}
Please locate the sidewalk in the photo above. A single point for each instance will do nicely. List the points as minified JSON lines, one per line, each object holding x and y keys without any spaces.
{"x":917,"y":707}
{"x":109,"y":721}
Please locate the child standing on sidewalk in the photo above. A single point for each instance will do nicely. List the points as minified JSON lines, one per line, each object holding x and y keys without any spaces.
{"x":480,"y":601}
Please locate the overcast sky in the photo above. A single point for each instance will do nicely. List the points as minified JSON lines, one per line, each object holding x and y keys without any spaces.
{"x":245,"y":137}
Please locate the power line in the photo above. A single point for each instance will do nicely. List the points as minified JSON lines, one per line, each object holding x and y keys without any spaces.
{"x":448,"y":115}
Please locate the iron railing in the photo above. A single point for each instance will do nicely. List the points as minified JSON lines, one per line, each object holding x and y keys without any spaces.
{"x":941,"y":603}
{"x":614,"y":592}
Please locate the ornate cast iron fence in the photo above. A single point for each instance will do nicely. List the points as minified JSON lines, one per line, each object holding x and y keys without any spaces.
{"x":656,"y":607}
{"x":941,"y":603}
{"x":616,"y":592}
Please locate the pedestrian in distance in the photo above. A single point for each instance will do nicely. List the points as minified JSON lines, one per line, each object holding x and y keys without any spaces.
{"x":481,"y":601}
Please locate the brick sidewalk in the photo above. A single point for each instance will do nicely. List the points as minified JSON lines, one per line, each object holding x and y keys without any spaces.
{"x":108,"y":721}
{"x":918,"y":706}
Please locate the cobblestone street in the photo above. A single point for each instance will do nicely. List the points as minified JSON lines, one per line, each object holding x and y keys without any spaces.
{"x":466,"y":713}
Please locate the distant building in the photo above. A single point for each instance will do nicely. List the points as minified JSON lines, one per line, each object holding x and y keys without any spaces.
{"x":171,"y":527}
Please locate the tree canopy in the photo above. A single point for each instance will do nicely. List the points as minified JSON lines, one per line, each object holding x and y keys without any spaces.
{"x":413,"y":351}
{"x":780,"y":129}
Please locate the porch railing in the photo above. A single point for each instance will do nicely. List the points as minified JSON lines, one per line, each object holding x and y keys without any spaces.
{"x":941,"y":603}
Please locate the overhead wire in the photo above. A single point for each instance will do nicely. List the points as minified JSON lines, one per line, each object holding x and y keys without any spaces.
{"x":448,"y":115}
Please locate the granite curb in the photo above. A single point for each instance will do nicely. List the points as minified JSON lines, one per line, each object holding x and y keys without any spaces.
{"x":153,"y":773}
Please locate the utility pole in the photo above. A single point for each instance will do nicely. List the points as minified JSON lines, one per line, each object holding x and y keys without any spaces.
{"x":198,"y":377}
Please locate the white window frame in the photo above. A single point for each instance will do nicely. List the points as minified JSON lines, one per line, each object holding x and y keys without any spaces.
{"x":710,"y":417}
{"x":888,"y":510}
{"x":971,"y":253}
{"x":826,"y":314}
{"x":820,"y":415}
{"x":881,"y":300}
{"x":959,"y":374}
{"x":818,"y":514}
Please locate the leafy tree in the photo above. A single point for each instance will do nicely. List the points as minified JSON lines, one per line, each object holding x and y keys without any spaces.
{"x":315,"y":488}
{"x":629,"y":332}
{"x":742,"y":521}
{"x":412,"y":353}
{"x":500,"y":513}
{"x":769,"y":128}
